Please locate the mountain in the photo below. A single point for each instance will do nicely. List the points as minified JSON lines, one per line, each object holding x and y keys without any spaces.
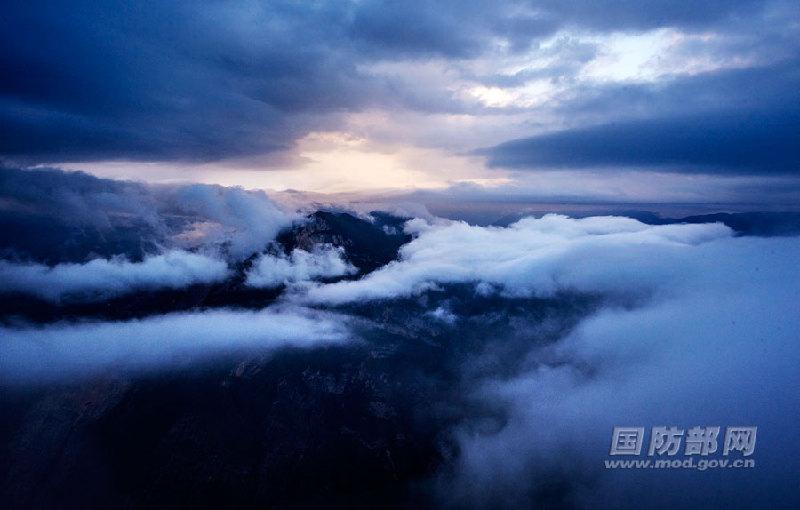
{"x":365,"y":424}
{"x":367,"y":245}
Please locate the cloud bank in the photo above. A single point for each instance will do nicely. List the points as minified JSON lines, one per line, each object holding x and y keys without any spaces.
{"x":688,"y":325}
{"x":717,"y":347}
{"x":100,"y":279}
{"x":532,"y":258}
{"x":51,"y":216}
{"x":240,"y":221}
{"x":61,"y":351}
{"x":694,"y":327}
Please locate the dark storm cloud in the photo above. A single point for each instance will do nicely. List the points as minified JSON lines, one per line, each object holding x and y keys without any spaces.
{"x":163,"y":80}
{"x":630,"y":15}
{"x":208,"y":80}
{"x":743,"y":121}
{"x":201,"y":81}
{"x":729,"y":142}
{"x":762,"y":87}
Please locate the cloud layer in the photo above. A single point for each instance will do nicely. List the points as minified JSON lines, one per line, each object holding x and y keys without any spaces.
{"x":100,"y":279}
{"x":694,"y":327}
{"x":134,"y":81}
{"x":533,"y":257}
{"x":53,"y":216}
{"x":742,"y":142}
{"x":718,"y":346}
{"x":62,"y":351}
{"x":682,"y":324}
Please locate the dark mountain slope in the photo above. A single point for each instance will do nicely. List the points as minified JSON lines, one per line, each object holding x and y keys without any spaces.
{"x":366,"y":424}
{"x":368,"y":245}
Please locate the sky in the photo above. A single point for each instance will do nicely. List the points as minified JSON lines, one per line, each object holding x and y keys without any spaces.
{"x":583,"y":101}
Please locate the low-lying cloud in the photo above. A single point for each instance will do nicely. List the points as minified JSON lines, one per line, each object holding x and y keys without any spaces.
{"x":694,"y":327}
{"x":53,"y":216}
{"x":718,"y":347}
{"x":240,"y":221}
{"x":299,"y":266}
{"x":67,"y":351}
{"x":104,"y":278}
{"x":533,"y":258}
{"x":687,"y":325}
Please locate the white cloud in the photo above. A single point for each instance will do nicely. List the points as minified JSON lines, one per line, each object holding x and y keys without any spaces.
{"x":103,"y":278}
{"x":41,"y":354}
{"x":700,"y":329}
{"x":715,"y":344}
{"x":533,"y":257}
{"x":133,"y":218}
{"x":300,"y":266}
{"x":245,"y":221}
